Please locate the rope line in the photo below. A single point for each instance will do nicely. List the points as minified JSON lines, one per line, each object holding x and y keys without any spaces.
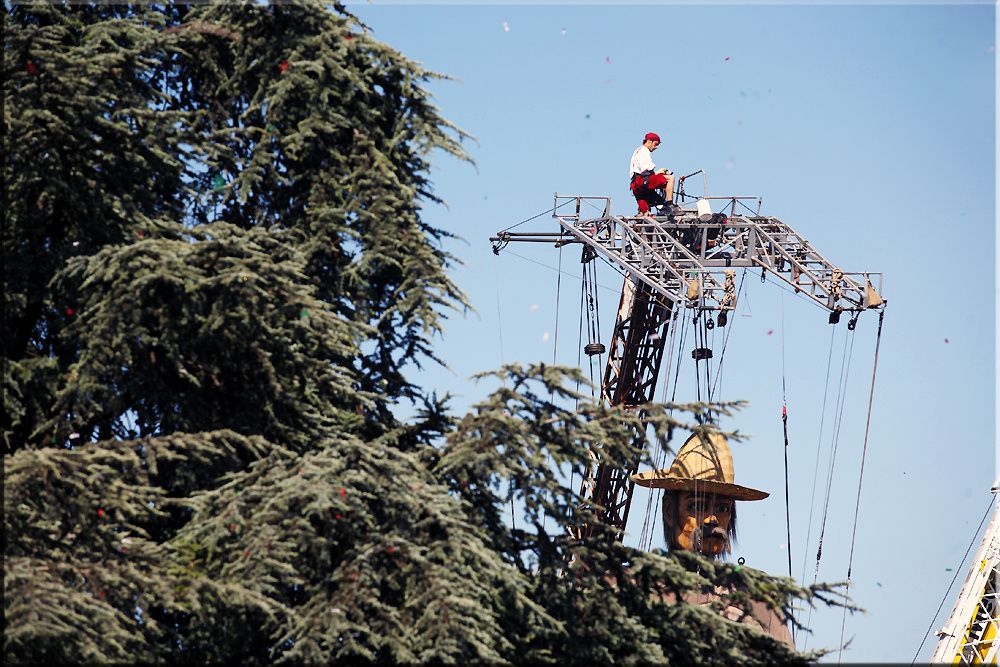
{"x":784,"y":426}
{"x":861,"y":475}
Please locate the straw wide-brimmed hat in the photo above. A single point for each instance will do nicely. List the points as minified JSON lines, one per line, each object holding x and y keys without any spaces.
{"x":702,"y":468}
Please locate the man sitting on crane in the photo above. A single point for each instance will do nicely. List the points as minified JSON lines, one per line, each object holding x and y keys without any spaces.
{"x":699,"y":514}
{"x":650,"y":186}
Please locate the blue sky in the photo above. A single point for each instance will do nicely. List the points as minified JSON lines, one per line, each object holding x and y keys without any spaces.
{"x":869,"y":129}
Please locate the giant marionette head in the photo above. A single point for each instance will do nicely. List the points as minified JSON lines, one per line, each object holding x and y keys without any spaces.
{"x":699,"y":499}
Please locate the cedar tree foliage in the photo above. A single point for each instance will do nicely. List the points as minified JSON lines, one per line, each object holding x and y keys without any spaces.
{"x":215,"y":273}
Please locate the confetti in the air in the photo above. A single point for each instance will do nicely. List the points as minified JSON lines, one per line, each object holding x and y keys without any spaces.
{"x":31,"y":68}
{"x":100,"y":512}
{"x":392,"y":550}
{"x":607,"y":59}
{"x":283,"y":66}
{"x":506,"y":27}
{"x":70,"y":311}
{"x":564,"y":31}
{"x":533,"y":307}
{"x":545,"y":337}
{"x":338,"y":516}
{"x":218,"y":182}
{"x":304,"y":314}
{"x":727,"y":57}
{"x":770,"y":331}
{"x":343,"y":492}
{"x":76,"y":243}
{"x":946,"y":340}
{"x":587,"y":116}
{"x":74,"y":436}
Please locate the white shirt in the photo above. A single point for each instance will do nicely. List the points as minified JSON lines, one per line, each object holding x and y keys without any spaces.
{"x":642,"y":160}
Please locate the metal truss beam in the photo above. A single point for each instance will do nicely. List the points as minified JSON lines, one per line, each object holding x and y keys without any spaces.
{"x":669,"y":253}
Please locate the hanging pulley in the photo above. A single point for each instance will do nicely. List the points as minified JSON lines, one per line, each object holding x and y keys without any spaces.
{"x":700,"y":353}
{"x":594,"y":348}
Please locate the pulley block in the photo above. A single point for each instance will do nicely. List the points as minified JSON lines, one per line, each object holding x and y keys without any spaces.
{"x":700,"y":353}
{"x":590,"y":349}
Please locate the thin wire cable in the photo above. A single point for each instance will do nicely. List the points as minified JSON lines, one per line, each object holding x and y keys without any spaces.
{"x":717,"y":384}
{"x":552,"y":268}
{"x":819,"y":447}
{"x":678,"y":317}
{"x":834,"y":442}
{"x":496,"y":275}
{"x":646,"y":534}
{"x":798,"y":295}
{"x":958,"y":570}
{"x":555,"y":348}
{"x":534,"y":217}
{"x":861,"y":475}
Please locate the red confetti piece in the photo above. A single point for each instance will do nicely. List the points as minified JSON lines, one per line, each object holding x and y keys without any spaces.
{"x":349,"y":37}
{"x":31,"y":68}
{"x":246,"y":554}
{"x":784,"y":410}
{"x":103,"y":594}
{"x":343,"y":492}
{"x":338,"y":516}
{"x":100,"y":512}
{"x":232,"y":526}
{"x":392,"y":550}
{"x":283,"y":67}
{"x":139,"y":234}
{"x":69,"y":311}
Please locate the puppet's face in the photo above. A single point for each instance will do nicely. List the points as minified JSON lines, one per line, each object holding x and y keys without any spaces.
{"x":703,"y":523}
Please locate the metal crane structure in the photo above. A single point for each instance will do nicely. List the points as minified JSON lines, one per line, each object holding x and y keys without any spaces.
{"x":970,"y":635}
{"x":686,"y":259}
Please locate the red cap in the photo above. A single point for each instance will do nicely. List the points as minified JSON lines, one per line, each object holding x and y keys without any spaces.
{"x":652,"y":136}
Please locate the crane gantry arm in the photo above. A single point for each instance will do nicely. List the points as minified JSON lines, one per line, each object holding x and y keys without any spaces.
{"x":685,"y":259}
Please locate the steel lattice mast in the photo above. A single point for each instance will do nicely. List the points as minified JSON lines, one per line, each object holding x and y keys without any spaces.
{"x":970,"y":634}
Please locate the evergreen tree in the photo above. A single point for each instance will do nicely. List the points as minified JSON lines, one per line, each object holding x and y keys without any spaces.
{"x":215,"y":274}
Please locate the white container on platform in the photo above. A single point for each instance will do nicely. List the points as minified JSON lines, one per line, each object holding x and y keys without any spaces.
{"x":704,"y":210}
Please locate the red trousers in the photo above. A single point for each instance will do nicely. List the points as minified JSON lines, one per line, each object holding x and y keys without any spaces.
{"x":646,"y":195}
